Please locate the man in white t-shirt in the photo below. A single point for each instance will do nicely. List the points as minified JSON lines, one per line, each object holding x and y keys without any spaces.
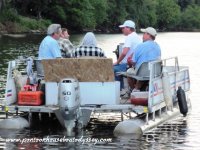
{"x":132,"y":40}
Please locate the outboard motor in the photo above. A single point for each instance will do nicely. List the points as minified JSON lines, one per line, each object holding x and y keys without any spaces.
{"x":69,"y":101}
{"x":182,"y":101}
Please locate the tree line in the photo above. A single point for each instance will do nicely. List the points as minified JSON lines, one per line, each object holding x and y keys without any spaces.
{"x":102,"y":15}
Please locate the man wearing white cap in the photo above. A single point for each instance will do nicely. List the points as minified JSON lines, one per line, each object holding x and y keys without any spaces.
{"x":49,"y":47}
{"x":132,"y":40}
{"x":149,"y":50}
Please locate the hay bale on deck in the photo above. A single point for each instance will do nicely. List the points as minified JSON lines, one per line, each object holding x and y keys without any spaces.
{"x":84,"y":69}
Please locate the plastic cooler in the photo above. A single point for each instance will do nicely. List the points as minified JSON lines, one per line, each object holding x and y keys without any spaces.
{"x":34,"y":98}
{"x":139,"y":98}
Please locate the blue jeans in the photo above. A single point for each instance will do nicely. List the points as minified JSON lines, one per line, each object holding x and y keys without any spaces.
{"x":120,"y":68}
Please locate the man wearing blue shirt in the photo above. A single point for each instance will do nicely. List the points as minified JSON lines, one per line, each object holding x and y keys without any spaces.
{"x":49,"y":47}
{"x":148,"y":51}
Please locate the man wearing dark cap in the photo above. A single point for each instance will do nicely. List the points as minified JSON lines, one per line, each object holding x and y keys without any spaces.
{"x":131,"y":42}
{"x":49,"y":47}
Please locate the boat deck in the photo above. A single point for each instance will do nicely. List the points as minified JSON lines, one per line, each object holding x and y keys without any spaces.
{"x":42,"y":108}
{"x":124,"y":107}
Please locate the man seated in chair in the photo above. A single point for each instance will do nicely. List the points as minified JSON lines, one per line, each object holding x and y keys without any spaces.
{"x":148,"y":51}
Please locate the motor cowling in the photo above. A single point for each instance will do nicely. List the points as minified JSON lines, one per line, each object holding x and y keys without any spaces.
{"x":69,"y":94}
{"x":182,"y":101}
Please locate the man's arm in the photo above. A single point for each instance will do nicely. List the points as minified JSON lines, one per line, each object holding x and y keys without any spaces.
{"x":130,"y":62}
{"x":123,"y":54}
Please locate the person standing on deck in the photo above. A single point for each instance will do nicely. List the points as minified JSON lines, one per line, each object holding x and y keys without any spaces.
{"x":132,"y":40}
{"x":66,"y":46}
{"x":49,"y":47}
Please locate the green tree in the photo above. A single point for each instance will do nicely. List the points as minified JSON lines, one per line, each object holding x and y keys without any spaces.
{"x":86,"y":14}
{"x":142,"y":12}
{"x":57,"y":14}
{"x":168,"y":14}
{"x":104,"y":15}
{"x":99,"y":11}
{"x":80,"y":15}
{"x":31,"y":8}
{"x":117,"y":14}
{"x":190,"y":18}
{"x":2,"y":4}
{"x":40,"y":8}
{"x":197,"y":2}
{"x":184,"y":3}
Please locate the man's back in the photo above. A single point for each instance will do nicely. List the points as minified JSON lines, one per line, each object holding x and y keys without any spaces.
{"x":145,"y":52}
{"x":49,"y":48}
{"x":88,"y":51}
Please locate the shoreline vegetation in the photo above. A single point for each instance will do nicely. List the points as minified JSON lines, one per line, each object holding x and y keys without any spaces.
{"x":24,"y":33}
{"x":104,"y":16}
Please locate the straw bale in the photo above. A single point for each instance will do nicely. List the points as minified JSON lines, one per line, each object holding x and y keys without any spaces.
{"x":84,"y":69}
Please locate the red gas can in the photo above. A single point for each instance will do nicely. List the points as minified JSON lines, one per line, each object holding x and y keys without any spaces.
{"x":34,"y":98}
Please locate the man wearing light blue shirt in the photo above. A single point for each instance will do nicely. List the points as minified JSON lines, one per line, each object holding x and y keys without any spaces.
{"x":49,"y":47}
{"x":148,"y":51}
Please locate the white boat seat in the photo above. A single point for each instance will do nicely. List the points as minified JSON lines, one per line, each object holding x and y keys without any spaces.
{"x":143,"y":73}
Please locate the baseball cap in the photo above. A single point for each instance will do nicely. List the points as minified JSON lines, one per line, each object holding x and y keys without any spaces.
{"x":53,"y":28}
{"x":128,"y":23}
{"x":150,"y":31}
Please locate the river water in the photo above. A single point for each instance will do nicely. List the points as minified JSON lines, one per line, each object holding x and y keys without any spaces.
{"x":179,"y":133}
